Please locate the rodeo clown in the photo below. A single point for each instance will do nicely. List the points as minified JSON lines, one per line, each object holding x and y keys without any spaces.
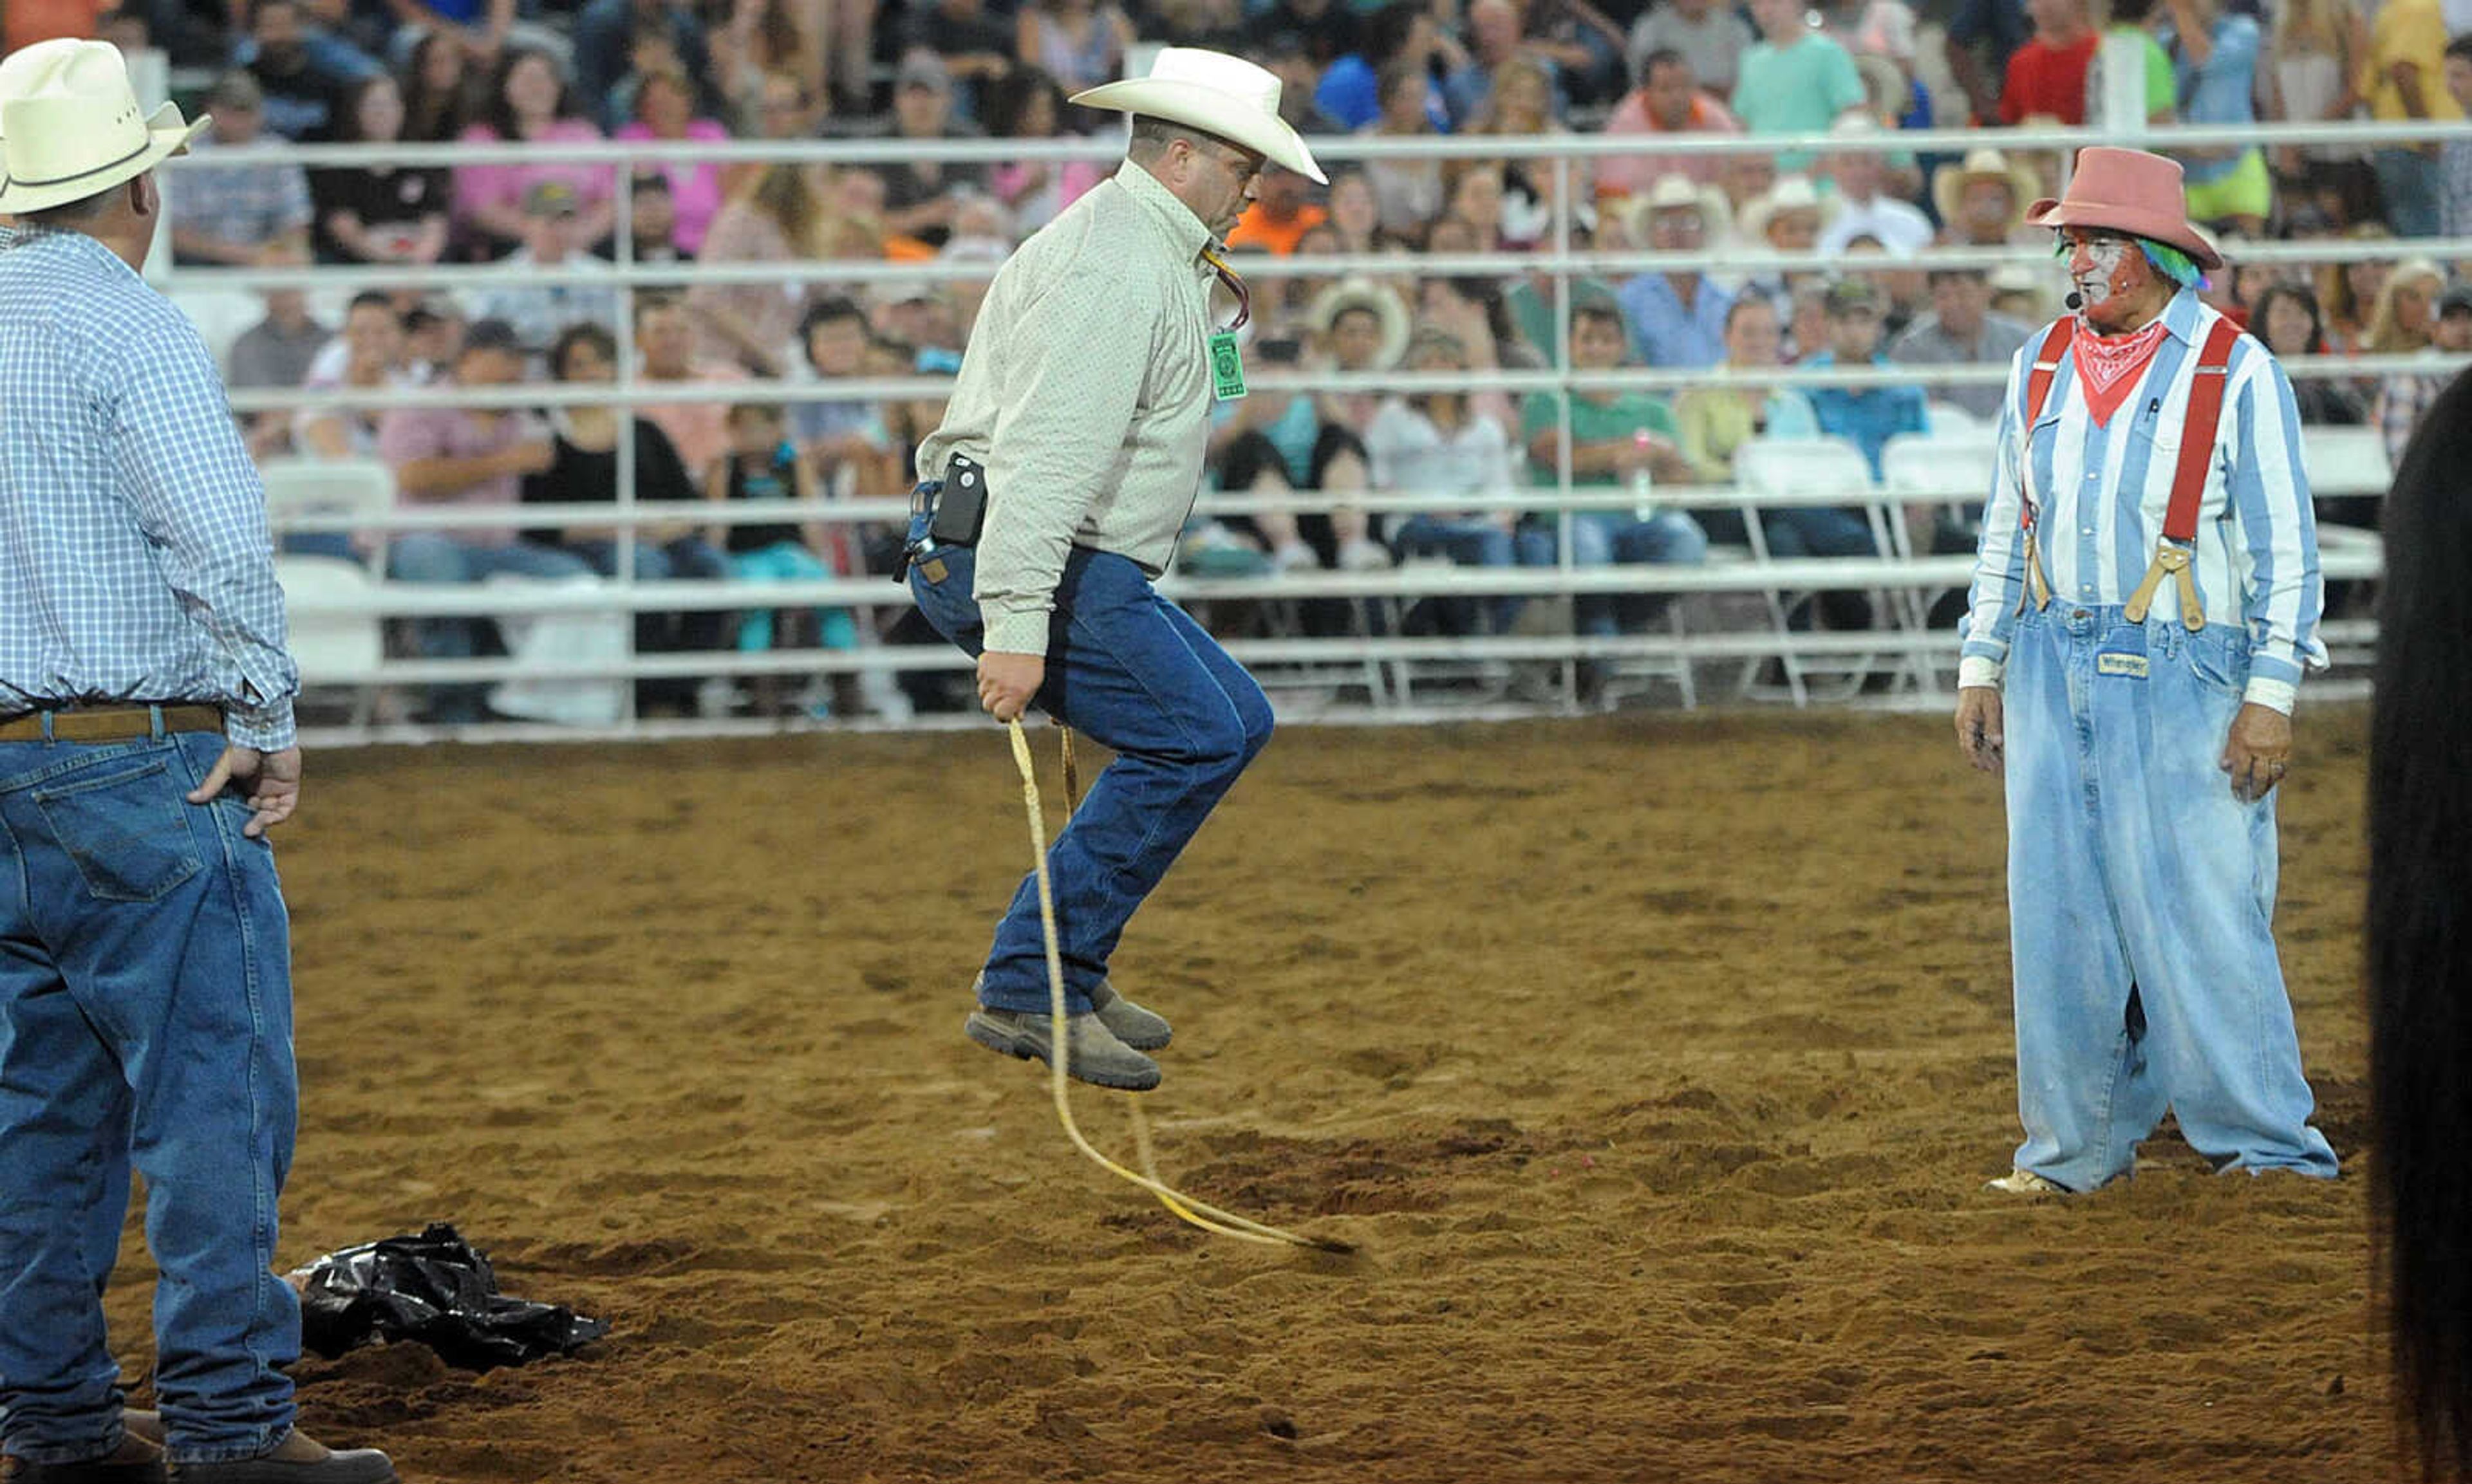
{"x":2145,"y":599}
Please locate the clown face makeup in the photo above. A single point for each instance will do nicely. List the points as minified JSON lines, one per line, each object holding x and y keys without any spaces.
{"x":2108,"y":274}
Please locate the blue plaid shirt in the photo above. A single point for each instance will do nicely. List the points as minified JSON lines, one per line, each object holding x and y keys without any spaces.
{"x":134,"y":561}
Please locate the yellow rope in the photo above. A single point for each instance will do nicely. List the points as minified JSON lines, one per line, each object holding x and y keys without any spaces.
{"x":1208,"y":1218}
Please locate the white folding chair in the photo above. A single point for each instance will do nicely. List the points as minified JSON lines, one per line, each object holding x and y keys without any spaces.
{"x":221,"y":317}
{"x":363,"y":488}
{"x":340,"y":648}
{"x":1938,"y":469}
{"x":2345,"y":460}
{"x":1785,"y":472}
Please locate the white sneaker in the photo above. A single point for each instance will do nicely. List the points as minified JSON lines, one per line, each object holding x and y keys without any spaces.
{"x":1362,"y":555}
{"x":2025,"y":1182}
{"x":1294,"y":556}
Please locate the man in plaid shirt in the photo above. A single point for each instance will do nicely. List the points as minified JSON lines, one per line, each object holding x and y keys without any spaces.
{"x":2403,"y":399}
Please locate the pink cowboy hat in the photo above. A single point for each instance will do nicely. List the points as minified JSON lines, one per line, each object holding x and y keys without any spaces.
{"x":2127,"y":191}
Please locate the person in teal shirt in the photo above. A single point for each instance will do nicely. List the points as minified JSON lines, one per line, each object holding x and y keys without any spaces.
{"x":1606,"y":449}
{"x":1794,"y":81}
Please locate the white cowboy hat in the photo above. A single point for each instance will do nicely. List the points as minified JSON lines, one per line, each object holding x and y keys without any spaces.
{"x":1358,"y":292}
{"x":1791,"y":193}
{"x":1216,"y":93}
{"x":70,"y":127}
{"x":1677,"y":193}
{"x":1948,"y":187}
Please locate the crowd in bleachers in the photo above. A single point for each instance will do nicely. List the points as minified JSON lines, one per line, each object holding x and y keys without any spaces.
{"x":554,"y":71}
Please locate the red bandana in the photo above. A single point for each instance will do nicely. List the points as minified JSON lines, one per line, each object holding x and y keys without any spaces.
{"x":2108,"y":366}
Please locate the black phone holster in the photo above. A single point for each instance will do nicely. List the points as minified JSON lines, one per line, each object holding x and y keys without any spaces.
{"x":962,"y":504}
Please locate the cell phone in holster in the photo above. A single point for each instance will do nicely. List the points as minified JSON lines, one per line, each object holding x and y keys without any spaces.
{"x":962,"y":504}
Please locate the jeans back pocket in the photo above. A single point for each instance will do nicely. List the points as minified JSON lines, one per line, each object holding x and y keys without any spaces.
{"x":123,"y":827}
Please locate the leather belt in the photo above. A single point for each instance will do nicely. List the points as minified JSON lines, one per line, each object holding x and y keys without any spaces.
{"x":110,"y":723}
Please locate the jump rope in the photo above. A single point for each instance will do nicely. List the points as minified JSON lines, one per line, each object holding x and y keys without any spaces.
{"x":1209,"y":1218}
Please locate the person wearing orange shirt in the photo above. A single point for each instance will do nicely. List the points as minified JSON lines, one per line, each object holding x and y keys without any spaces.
{"x":1283,"y":210}
{"x":1668,"y":100}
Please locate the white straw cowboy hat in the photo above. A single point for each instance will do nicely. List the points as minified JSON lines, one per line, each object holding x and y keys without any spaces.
{"x":70,"y":127}
{"x":1358,"y":292}
{"x":2127,"y":191}
{"x":1791,"y":193}
{"x":1948,"y":187}
{"x":1677,"y":193}
{"x":1216,"y":93}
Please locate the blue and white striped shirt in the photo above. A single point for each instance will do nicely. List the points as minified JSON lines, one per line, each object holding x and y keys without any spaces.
{"x":2101,"y":493}
{"x":134,"y":561}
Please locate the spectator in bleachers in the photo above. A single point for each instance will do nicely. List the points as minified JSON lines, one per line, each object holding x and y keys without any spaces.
{"x":1864,"y":206}
{"x":303,"y":73}
{"x":1676,"y":317}
{"x":782,"y":216}
{"x":765,"y":38}
{"x":2017,"y":293}
{"x":665,"y":112}
{"x":1250,"y":463}
{"x":1293,"y":60}
{"x":781,"y":109}
{"x":478,"y":28}
{"x":920,"y":196}
{"x":2215,"y":72}
{"x":1982,"y":35}
{"x":982,"y":235}
{"x":467,"y":458}
{"x":1080,"y":44}
{"x":1472,"y":201}
{"x":1788,"y":219}
{"x":2404,"y":397}
{"x":843,"y":437}
{"x":378,"y":213}
{"x":1402,"y":34}
{"x":1284,"y":210}
{"x":975,"y":47}
{"x":761,"y":464}
{"x":1583,"y":50}
{"x":1867,"y":417}
{"x":2455,"y":155}
{"x":1794,"y":79}
{"x":529,"y":103}
{"x":1473,"y":313}
{"x":2136,"y":22}
{"x":2285,"y":317}
{"x":372,"y":362}
{"x":1961,"y":329}
{"x":665,"y":343}
{"x":607,"y":33}
{"x":1218,"y":24}
{"x":1614,"y":434}
{"x":2048,"y":74}
{"x":651,"y":220}
{"x":1741,"y":178}
{"x":248,"y":215}
{"x":2407,"y":80}
{"x":1357,"y":326}
{"x":2400,"y":315}
{"x":1493,"y":39}
{"x":275,"y":353}
{"x":1709,"y":38}
{"x":583,"y":470}
{"x":2314,"y":60}
{"x":438,"y":92}
{"x":432,"y":338}
{"x":1407,"y":193}
{"x":551,"y":240}
{"x":1983,"y":202}
{"x":1522,"y":105}
{"x":1434,"y":443}
{"x":1669,"y":100}
{"x":1026,"y":104}
{"x":1738,"y":405}
{"x":1328,"y":28}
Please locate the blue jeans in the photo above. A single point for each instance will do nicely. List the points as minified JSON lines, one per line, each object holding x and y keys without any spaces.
{"x":1817,"y":531}
{"x":1602,"y":537}
{"x":145,"y":1016}
{"x":1474,"y":542}
{"x":2407,"y":187}
{"x":1135,"y":673}
{"x":433,"y":556}
{"x":689,"y":558}
{"x":2141,"y":900}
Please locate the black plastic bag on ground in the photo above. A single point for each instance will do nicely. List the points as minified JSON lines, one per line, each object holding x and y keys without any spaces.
{"x":434,"y":1288}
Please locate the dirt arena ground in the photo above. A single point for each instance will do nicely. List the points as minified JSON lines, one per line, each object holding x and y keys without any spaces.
{"x":1655,"y":1064}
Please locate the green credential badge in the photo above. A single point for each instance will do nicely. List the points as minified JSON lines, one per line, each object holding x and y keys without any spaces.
{"x":1226,"y":366}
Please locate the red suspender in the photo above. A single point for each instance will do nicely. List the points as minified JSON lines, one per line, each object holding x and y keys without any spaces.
{"x":2038,"y":390}
{"x":2198,"y":431}
{"x":2173,"y":553}
{"x":2047,"y":366}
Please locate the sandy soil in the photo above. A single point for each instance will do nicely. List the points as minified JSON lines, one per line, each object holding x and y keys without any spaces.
{"x":1655,"y":1065}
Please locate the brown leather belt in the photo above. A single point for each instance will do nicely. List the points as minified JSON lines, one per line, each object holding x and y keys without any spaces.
{"x":110,"y":723}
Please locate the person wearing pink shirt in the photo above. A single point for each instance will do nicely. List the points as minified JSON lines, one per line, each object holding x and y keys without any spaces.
{"x":530,"y":104}
{"x":664,"y":111}
{"x":1668,"y":100}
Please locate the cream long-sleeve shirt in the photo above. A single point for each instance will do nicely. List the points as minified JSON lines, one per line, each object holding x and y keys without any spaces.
{"x":1084,"y":392}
